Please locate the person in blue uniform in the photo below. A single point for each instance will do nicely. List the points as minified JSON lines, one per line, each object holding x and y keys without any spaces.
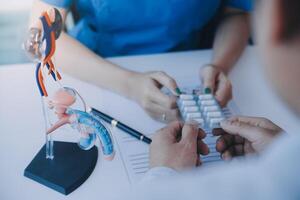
{"x":106,"y":28}
{"x":270,"y":168}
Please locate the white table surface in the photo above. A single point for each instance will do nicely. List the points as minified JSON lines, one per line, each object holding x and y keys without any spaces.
{"x":22,"y":124}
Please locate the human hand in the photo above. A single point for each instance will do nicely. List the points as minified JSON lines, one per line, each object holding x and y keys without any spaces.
{"x":245,"y":135}
{"x":145,"y":88}
{"x":178,"y":146}
{"x":215,"y":81}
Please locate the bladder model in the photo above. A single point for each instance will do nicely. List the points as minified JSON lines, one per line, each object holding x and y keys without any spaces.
{"x":41,"y":47}
{"x":59,"y":169}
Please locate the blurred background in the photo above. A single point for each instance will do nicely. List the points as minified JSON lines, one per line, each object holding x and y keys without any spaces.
{"x":14,"y":15}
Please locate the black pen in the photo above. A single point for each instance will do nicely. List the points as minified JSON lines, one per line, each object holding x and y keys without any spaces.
{"x":120,"y":125}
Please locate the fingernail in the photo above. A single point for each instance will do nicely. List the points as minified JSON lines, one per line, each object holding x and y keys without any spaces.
{"x":207,"y":90}
{"x":178,"y":91}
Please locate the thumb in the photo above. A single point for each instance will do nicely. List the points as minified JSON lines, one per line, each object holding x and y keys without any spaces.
{"x":247,"y":131}
{"x":173,"y":129}
{"x":208,"y":76}
{"x":166,"y":81}
{"x":190,"y":133}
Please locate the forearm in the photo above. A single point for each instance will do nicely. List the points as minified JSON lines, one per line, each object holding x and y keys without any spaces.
{"x":231,"y":38}
{"x":78,"y":61}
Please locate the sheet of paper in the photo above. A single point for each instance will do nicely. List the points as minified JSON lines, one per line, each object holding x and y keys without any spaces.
{"x":135,"y":154}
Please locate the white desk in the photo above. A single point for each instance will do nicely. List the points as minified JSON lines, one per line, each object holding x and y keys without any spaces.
{"x":22,"y":125}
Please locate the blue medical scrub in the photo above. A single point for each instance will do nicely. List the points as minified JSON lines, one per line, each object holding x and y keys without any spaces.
{"x":125,"y":27}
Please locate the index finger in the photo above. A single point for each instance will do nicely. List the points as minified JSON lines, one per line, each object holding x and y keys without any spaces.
{"x":256,"y":121}
{"x":243,"y":129}
{"x":208,"y":76}
{"x":190,"y":133}
{"x":223,"y":91}
{"x":165,"y":80}
{"x":164,"y":100}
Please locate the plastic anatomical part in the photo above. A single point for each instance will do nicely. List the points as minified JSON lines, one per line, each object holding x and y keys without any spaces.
{"x":88,"y":126}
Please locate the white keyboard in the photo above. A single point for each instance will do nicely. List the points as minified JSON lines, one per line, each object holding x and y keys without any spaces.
{"x":204,"y":109}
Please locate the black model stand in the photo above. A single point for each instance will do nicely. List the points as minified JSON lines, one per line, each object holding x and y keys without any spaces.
{"x":70,"y":167}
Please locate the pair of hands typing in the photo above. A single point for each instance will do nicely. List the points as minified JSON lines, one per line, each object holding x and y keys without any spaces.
{"x":146,"y":91}
{"x":179,"y":145}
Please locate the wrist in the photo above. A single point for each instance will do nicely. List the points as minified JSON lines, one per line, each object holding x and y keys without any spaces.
{"x":131,"y":85}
